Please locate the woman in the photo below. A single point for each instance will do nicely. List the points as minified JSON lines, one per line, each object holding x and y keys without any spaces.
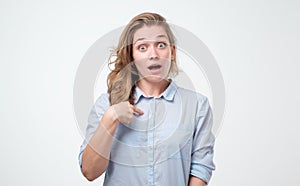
{"x":146,"y":130}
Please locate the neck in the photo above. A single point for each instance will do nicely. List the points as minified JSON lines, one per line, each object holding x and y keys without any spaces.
{"x":154,"y":89}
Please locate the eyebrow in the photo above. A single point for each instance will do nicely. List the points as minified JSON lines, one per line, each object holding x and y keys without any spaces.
{"x":142,"y":38}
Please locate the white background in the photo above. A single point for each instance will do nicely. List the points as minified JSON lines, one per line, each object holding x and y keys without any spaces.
{"x":256,"y":45}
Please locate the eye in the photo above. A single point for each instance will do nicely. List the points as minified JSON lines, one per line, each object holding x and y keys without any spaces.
{"x":142,"y":47}
{"x":161,"y":45}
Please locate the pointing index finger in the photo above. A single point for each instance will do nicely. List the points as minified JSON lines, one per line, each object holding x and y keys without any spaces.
{"x":137,"y":111}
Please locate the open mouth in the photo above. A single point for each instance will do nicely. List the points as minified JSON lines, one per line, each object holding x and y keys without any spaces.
{"x":154,"y":67}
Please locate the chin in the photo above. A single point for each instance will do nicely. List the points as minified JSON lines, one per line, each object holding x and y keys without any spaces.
{"x":155,"y":79}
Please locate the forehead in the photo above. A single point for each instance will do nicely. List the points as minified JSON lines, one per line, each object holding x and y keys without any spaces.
{"x":149,"y":33}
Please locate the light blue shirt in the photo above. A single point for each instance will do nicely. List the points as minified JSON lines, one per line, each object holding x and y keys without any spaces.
{"x":169,"y":142}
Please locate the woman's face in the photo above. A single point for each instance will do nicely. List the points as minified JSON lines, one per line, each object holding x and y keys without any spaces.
{"x":152,"y":53}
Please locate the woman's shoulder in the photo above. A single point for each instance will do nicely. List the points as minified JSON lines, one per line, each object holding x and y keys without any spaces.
{"x":191,"y":93}
{"x":193,"y":99}
{"x":103,"y":99}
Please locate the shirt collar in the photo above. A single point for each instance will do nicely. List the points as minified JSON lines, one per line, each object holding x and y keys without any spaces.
{"x":168,"y":94}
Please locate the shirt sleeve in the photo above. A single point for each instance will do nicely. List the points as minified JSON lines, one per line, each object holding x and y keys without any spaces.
{"x":96,"y":113}
{"x":203,"y":142}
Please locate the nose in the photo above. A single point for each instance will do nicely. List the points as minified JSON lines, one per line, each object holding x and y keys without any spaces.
{"x":153,"y":54}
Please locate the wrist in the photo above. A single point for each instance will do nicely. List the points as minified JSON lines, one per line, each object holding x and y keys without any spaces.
{"x":111,"y":114}
{"x":110,"y":121}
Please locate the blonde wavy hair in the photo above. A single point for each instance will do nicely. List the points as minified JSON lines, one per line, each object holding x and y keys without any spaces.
{"x":121,"y":80}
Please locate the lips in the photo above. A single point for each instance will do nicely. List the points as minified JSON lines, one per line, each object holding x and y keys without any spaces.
{"x":154,"y":67}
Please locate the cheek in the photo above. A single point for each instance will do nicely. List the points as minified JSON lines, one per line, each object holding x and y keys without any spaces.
{"x":166,"y":54}
{"x":134,"y":55}
{"x":140,"y":65}
{"x":137,"y":55}
{"x":167,"y":66}
{"x":139,"y":59}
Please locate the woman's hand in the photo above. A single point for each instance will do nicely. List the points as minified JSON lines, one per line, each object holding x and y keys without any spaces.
{"x":124,"y":112}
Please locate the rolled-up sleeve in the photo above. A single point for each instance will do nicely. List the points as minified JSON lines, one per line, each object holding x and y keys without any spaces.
{"x":96,"y":113}
{"x":203,"y":142}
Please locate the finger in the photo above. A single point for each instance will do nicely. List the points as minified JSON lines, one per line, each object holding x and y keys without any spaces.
{"x":137,"y":111}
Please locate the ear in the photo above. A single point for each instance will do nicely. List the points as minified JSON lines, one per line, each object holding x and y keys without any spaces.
{"x":173,"y":52}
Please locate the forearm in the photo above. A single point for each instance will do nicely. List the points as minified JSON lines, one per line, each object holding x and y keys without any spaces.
{"x":194,"y":181}
{"x":95,"y":157}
